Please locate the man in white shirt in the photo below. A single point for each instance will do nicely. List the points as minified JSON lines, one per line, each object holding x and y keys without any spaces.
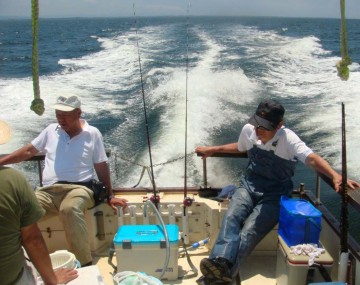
{"x":273,"y":151}
{"x":74,"y":155}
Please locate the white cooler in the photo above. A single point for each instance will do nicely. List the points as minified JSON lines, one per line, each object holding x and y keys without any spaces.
{"x":292,"y":269}
{"x":142,"y":248}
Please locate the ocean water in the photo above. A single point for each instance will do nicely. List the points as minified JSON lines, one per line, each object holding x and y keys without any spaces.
{"x":233,"y":63}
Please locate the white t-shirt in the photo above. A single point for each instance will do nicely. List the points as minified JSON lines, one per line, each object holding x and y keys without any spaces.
{"x":68,"y":159}
{"x":285,"y":143}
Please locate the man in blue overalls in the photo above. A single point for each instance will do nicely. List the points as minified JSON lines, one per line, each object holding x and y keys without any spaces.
{"x":254,"y":207}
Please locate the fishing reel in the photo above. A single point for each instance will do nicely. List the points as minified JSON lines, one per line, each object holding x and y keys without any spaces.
{"x":188,"y":202}
{"x":155,"y":199}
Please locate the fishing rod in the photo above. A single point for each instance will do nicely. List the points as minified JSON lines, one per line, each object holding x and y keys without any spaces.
{"x":187,"y":200}
{"x":343,"y":72}
{"x":344,"y":225}
{"x":155,"y":199}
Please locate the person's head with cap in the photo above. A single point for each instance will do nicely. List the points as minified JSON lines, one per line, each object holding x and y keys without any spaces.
{"x":5,"y":132}
{"x":68,"y":112}
{"x":268,"y":116}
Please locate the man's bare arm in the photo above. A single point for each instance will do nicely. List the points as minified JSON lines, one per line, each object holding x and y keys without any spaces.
{"x":19,"y":155}
{"x":209,"y":150}
{"x":322,"y":166}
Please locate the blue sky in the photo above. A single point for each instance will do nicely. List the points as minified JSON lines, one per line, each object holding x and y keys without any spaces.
{"x":115,"y":8}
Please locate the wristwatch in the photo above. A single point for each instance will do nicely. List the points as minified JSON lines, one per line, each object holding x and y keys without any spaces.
{"x":110,"y":197}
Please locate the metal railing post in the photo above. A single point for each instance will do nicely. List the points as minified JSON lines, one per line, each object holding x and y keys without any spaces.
{"x":204,"y":173}
{"x":318,"y":190}
{"x":40,"y":173}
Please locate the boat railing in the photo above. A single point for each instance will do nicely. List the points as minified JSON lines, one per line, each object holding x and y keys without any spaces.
{"x":218,"y":154}
{"x":354,"y":196}
{"x":40,"y":157}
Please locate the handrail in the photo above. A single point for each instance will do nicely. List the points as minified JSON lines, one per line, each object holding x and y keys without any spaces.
{"x":219,"y":154}
{"x":354,"y":196}
{"x":223,"y":154}
{"x":39,"y":157}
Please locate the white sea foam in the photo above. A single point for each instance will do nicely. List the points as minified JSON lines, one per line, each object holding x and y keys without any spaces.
{"x":109,"y":81}
{"x":207,"y":90}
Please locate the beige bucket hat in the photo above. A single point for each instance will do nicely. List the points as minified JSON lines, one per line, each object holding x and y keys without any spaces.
{"x":5,"y":132}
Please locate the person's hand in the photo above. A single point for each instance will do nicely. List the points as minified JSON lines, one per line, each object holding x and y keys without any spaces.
{"x":205,"y":150}
{"x":65,"y":275}
{"x":351,"y":184}
{"x":115,"y":202}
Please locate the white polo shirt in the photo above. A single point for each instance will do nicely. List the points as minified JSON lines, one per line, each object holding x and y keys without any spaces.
{"x":70,"y":159}
{"x":286,"y":144}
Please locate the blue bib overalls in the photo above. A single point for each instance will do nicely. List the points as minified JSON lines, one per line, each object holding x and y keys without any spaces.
{"x":254,"y":207}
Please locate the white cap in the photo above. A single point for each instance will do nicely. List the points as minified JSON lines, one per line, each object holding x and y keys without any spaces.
{"x":67,"y":103}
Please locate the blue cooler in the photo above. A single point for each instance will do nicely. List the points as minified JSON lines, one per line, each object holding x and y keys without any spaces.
{"x":142,"y":248}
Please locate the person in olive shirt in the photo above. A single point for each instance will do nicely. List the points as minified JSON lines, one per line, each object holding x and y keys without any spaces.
{"x":19,"y":213}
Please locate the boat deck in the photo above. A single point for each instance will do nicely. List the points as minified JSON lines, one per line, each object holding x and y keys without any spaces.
{"x":260,"y":267}
{"x":204,"y":220}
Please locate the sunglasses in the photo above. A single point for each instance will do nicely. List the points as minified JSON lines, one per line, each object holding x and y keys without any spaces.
{"x":260,"y":127}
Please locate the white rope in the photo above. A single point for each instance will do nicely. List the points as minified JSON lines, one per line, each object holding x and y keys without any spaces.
{"x":309,"y":249}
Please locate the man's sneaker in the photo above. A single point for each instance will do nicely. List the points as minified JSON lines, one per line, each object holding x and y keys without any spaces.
{"x":205,"y":281}
{"x":216,"y":269}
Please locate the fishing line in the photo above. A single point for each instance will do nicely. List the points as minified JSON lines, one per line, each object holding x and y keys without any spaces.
{"x":152,"y":177}
{"x":187,"y":200}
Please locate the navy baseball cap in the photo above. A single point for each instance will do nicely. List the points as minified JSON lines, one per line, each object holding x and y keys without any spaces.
{"x":268,"y":115}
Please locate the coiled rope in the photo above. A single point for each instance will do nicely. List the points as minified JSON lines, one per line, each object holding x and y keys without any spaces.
{"x":37,"y":105}
{"x":342,"y":65}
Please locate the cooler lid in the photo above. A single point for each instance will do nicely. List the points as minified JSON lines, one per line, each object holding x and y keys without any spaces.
{"x":145,"y":234}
